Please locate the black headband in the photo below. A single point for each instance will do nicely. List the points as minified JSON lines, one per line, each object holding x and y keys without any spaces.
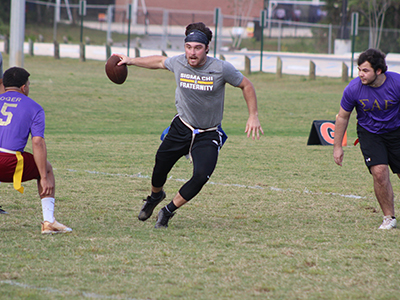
{"x":197,"y":36}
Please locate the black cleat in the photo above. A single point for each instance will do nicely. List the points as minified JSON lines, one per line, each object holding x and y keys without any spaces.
{"x":2,"y":211}
{"x":163,"y":218}
{"x":148,"y":206}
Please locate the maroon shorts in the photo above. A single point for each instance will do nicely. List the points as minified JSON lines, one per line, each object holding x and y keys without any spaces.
{"x":8,"y":163}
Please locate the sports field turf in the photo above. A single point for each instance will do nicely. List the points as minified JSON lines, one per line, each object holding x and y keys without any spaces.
{"x":278,"y":219}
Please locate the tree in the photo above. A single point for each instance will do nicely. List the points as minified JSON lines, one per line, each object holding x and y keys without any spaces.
{"x":374,"y":11}
{"x":241,"y":9}
{"x":4,"y":16}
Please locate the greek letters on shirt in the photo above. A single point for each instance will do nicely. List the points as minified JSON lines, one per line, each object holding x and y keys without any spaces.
{"x":196,"y":82}
{"x":368,"y":106}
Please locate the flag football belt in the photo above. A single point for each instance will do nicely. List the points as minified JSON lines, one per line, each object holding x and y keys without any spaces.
{"x":17,"y":179}
{"x":194,"y":133}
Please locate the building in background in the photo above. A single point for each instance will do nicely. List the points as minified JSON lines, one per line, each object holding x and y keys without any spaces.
{"x":183,"y":12}
{"x":236,"y":13}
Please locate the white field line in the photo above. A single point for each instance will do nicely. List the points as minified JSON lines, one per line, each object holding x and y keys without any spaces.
{"x":305,"y":191}
{"x":56,"y":291}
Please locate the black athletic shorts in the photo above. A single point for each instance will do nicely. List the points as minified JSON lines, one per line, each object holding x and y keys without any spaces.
{"x":179,"y":138}
{"x":380,"y":149}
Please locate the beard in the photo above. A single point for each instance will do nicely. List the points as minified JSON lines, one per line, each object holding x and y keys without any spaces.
{"x":369,"y":82}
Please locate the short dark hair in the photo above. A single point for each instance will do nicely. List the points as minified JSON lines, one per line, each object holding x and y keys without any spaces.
{"x":15,"y":77}
{"x":375,"y":57}
{"x":201,"y":27}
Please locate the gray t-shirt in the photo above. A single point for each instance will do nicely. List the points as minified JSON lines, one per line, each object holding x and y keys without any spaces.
{"x":200,"y":92}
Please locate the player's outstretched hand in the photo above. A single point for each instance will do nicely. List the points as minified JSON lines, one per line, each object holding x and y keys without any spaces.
{"x":253,"y":127}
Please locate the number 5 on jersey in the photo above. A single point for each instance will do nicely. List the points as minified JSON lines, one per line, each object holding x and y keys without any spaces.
{"x":6,"y":113}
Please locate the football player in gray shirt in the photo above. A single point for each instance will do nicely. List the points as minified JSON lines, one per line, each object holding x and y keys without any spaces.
{"x":196,"y":129}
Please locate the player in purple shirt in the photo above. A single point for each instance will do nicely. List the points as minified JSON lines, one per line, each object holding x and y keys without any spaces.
{"x":1,"y":74}
{"x":19,"y":117}
{"x":375,"y":95}
{"x":2,"y":211}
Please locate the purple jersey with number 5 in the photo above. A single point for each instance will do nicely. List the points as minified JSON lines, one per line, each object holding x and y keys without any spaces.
{"x":378,"y":109}
{"x":19,"y":117}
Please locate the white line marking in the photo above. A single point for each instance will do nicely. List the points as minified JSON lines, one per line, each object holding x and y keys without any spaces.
{"x":51,"y":290}
{"x":306,"y":191}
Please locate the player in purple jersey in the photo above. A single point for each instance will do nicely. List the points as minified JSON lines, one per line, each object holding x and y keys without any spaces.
{"x":2,"y":211}
{"x":376,"y":96}
{"x":1,"y":74}
{"x":19,"y":117}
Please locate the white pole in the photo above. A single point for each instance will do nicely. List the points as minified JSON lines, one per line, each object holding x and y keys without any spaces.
{"x":134,"y":12}
{"x":17,"y":33}
{"x":146,"y":19}
{"x":165,"y":30}
{"x":109,"y":22}
{"x":57,"y":11}
{"x":56,"y":19}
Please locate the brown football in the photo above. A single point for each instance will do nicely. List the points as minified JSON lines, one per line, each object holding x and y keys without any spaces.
{"x":115,"y":73}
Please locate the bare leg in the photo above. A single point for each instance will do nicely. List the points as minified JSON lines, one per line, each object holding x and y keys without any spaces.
{"x":50,"y":184}
{"x":156,"y":189}
{"x":179,"y":200}
{"x":383,"y":189}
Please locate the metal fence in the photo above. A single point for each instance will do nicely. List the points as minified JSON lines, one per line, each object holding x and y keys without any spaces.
{"x":151,"y":20}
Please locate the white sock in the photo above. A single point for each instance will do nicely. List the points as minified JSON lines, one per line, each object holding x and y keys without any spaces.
{"x":48,"y":209}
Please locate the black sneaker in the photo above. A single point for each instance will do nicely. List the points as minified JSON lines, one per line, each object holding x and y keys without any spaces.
{"x":163,"y":218}
{"x":2,"y":211}
{"x":148,"y":207}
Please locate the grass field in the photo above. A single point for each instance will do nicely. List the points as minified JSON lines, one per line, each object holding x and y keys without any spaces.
{"x":278,"y":220}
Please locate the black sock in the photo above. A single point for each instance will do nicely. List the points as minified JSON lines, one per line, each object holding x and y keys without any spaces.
{"x":171,"y":207}
{"x":156,"y":195}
